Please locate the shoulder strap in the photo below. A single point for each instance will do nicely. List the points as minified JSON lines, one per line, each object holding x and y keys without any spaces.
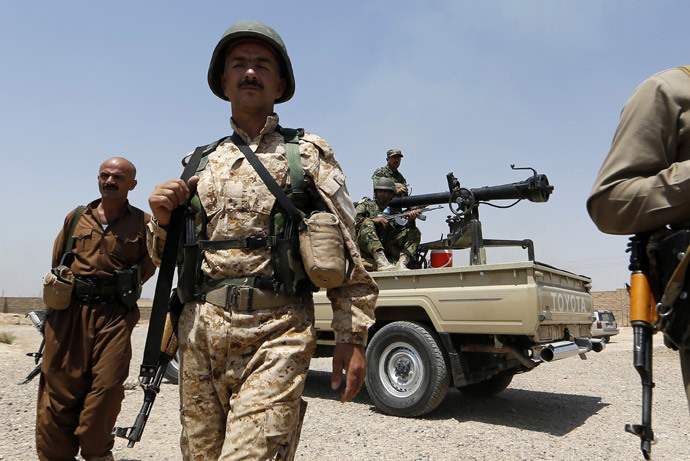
{"x":67,"y":255}
{"x":266,"y":177}
{"x":72,"y":226}
{"x":291,"y":137}
{"x":685,"y":69}
{"x":166,"y":272}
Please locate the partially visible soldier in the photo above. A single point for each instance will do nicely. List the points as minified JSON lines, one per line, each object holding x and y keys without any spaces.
{"x":390,"y":170}
{"x":381,"y":239}
{"x":87,"y":345}
{"x":244,"y":359}
{"x":643,"y":185}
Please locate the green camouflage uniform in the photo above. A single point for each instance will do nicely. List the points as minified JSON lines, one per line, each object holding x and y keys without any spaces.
{"x":393,"y":238}
{"x":385,"y":172}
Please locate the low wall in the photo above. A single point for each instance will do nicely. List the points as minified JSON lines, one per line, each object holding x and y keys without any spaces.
{"x":617,"y":302}
{"x":21,"y":305}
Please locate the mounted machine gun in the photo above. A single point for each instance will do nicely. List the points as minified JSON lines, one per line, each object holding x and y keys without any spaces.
{"x":464,"y":224}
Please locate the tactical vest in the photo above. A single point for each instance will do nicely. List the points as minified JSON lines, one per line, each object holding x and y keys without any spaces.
{"x":283,"y":239}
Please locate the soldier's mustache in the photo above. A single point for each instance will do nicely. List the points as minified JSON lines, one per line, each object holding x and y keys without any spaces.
{"x":252,"y":83}
{"x":111,"y":187}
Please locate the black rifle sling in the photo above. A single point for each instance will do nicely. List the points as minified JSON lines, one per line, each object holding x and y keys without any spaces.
{"x":268,"y":180}
{"x":166,"y":273}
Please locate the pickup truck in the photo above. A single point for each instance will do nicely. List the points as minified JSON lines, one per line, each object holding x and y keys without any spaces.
{"x":471,"y":327}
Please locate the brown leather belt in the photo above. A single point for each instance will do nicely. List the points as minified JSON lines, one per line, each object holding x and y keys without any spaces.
{"x":245,"y":299}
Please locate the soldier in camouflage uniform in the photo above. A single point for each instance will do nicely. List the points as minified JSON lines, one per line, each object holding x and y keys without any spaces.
{"x":390,"y":170}
{"x":381,"y":239}
{"x":243,"y":367}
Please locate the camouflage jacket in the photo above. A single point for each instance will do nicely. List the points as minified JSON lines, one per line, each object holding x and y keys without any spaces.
{"x":238,"y":204}
{"x":366,"y":208}
{"x":385,"y":172}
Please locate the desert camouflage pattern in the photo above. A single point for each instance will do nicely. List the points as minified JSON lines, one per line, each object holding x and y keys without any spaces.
{"x":253,"y":366}
{"x":238,"y":204}
{"x":242,"y":374}
{"x":393,"y":238}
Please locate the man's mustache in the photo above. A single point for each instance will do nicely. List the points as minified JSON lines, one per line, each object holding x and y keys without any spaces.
{"x":111,"y":187}
{"x":250,"y":82}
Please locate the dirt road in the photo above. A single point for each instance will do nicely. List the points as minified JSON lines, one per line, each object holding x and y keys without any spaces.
{"x":566,"y":410}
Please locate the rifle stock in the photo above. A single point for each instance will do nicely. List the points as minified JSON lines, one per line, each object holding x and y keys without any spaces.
{"x":152,"y":385}
{"x":642,"y":318}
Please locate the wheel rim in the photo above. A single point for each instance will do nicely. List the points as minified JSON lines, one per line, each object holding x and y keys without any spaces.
{"x":401,"y":370}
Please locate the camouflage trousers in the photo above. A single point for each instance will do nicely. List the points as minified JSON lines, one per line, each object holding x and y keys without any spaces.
{"x":392,"y":239}
{"x":241,"y":380}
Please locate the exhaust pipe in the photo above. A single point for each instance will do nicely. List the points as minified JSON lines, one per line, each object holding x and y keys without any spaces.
{"x":557,"y":351}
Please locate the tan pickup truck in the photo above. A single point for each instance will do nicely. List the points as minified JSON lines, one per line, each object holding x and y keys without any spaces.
{"x":470,"y":327}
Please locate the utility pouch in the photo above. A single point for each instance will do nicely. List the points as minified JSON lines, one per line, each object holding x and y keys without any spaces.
{"x":128,"y":286}
{"x":58,"y":284}
{"x":675,"y":322}
{"x":323,"y":250}
{"x":57,"y":287}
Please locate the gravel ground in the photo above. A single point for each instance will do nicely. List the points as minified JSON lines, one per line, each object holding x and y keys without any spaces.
{"x":571,"y":409}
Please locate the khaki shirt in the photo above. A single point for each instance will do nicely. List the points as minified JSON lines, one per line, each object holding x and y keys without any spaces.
{"x":238,"y":204}
{"x":644,"y":182}
{"x":100,"y":252}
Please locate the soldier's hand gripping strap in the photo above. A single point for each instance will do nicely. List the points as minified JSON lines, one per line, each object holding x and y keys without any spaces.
{"x":166,"y":272}
{"x":321,"y":242}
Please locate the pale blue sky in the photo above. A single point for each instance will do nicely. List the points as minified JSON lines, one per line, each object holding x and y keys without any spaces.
{"x":461,"y":86}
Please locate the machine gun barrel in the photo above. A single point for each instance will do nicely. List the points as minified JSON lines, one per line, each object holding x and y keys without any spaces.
{"x":536,"y":188}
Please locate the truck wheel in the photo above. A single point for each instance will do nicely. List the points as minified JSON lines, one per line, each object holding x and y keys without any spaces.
{"x":172,"y":371}
{"x":407,"y":373}
{"x":489,"y":387}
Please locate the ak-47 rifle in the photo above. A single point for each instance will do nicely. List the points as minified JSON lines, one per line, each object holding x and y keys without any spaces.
{"x":38,"y":318}
{"x":643,"y":317}
{"x":152,"y":384}
{"x":161,"y":339}
{"x":401,"y":218}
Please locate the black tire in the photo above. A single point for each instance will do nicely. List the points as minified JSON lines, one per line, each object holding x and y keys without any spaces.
{"x":605,"y":339}
{"x":172,"y":371}
{"x":407,"y":374}
{"x":489,"y":387}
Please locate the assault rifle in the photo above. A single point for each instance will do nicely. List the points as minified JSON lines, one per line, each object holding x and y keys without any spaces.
{"x":152,"y":384}
{"x":401,"y":218}
{"x":161,"y":339}
{"x":38,"y":318}
{"x":643,"y":317}
{"x":464,"y":224}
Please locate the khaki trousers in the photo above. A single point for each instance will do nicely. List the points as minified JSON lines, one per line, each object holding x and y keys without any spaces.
{"x":85,"y":364}
{"x":241,"y":380}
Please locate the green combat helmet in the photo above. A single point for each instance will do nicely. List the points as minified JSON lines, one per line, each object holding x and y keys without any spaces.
{"x":250,"y":30}
{"x":385,"y":184}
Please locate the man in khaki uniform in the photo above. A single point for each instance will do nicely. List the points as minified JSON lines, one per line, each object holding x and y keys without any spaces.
{"x":644,"y":183}
{"x":243,"y":363}
{"x":87,"y":345}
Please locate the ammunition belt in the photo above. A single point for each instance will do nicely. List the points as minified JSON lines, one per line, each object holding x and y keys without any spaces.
{"x":95,"y":290}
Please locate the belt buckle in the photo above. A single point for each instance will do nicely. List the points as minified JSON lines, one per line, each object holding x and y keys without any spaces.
{"x":240,"y":297}
{"x":230,"y":297}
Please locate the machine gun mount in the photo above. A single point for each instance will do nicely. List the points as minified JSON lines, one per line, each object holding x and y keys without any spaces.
{"x":464,"y":224}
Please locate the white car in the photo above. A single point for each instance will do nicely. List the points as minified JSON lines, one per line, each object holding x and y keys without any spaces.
{"x":604,"y":325}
